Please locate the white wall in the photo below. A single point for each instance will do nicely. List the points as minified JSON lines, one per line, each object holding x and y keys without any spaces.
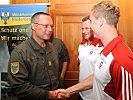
{"x":4,"y":2}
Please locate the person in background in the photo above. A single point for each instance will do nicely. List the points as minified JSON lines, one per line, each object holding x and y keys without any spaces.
{"x":113,"y":71}
{"x":33,"y":69}
{"x":88,"y":51}
{"x":64,"y":59}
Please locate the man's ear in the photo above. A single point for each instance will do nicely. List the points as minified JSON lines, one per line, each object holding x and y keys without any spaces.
{"x":101,"y":21}
{"x":32,"y":26}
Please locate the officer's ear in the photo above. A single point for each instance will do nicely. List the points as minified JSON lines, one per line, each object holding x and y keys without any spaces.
{"x":33,"y":26}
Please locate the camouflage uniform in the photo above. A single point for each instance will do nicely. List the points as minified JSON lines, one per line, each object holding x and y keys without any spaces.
{"x":33,"y":70}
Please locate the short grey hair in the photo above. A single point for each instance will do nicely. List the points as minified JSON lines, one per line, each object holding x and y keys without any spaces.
{"x":34,"y":17}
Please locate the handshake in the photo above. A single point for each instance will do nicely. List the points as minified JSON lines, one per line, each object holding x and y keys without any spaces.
{"x":59,"y":93}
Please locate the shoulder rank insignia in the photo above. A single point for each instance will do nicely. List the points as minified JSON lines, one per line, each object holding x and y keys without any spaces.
{"x":14,"y":67}
{"x":49,"y":63}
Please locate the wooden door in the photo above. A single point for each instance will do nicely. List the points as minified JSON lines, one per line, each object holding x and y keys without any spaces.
{"x":68,"y":28}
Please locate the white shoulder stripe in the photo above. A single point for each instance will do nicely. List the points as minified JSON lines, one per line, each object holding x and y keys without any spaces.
{"x":123,"y":89}
{"x":131,"y":90}
{"x":126,"y":84}
{"x":127,"y":89}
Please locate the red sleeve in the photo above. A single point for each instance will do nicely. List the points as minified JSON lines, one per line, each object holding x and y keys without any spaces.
{"x":122,"y":80}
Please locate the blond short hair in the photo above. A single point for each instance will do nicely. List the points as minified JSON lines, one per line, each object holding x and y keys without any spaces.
{"x":107,"y":10}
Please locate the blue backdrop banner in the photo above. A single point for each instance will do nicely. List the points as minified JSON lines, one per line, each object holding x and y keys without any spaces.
{"x":15,"y":26}
{"x":19,"y":14}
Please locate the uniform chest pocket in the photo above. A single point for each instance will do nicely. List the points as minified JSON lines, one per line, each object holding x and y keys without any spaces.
{"x":38,"y":72}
